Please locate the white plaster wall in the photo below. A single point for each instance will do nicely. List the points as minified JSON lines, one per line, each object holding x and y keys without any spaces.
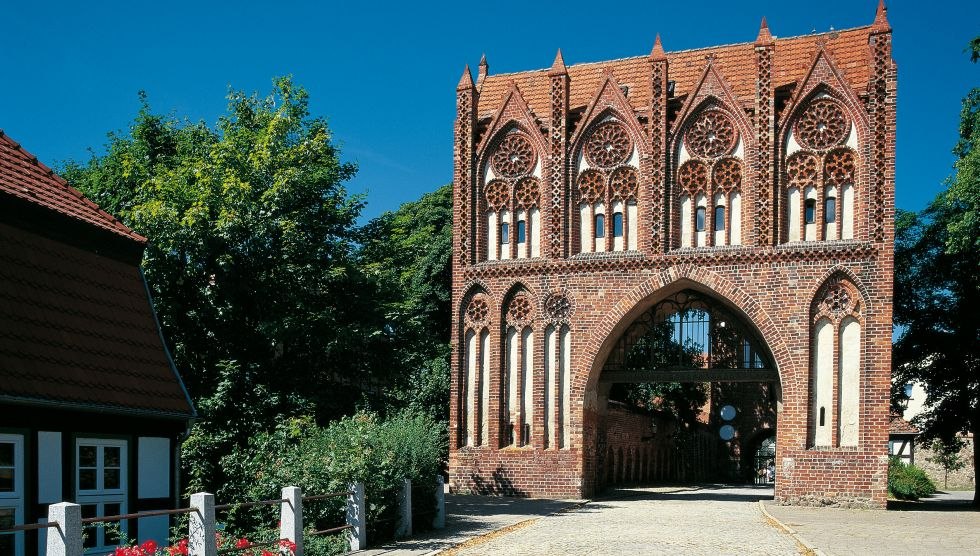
{"x":513,"y":370}
{"x":847,"y":208}
{"x":585,"y":227}
{"x":522,"y":246}
{"x":686,"y":224}
{"x":632,"y":222}
{"x":565,"y":346}
{"x":736,"y":218}
{"x":550,"y":379}
{"x":600,"y":242}
{"x":719,"y":199}
{"x":484,"y":386}
{"x":795,"y":206}
{"x":534,"y":231}
{"x":505,"y":247}
{"x":617,"y":207}
{"x":830,"y":231}
{"x":470,"y":385}
{"x":492,"y":236}
{"x":527,"y":390}
{"x":850,"y":383}
{"x":823,"y":367}
{"x":49,"y":458}
{"x":702,"y":237}
{"x":810,"y":230}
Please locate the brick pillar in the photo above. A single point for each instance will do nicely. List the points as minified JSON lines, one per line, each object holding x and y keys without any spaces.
{"x":654,"y":218}
{"x":556,"y":216}
{"x":764,"y":196}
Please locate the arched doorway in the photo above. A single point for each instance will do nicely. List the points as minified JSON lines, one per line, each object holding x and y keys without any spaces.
{"x":688,"y":386}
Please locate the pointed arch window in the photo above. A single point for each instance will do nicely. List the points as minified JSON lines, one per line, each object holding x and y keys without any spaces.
{"x":512,"y":220}
{"x":835,"y":363}
{"x":517,"y":385}
{"x":607,"y":216}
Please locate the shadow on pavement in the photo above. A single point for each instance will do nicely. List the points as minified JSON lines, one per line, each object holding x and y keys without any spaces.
{"x":956,"y":501}
{"x":715,"y":492}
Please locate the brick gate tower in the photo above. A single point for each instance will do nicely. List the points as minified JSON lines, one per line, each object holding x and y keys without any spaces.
{"x":718,"y":215}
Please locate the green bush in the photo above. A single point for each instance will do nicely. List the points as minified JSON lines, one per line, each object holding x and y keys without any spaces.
{"x":908,"y":482}
{"x":377,"y":452}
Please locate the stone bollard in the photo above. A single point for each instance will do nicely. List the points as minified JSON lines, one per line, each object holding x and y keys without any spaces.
{"x":291,"y":517}
{"x":404,"y":528}
{"x":200,"y":531}
{"x":439,"y":521}
{"x":356,"y":517}
{"x":66,"y":538}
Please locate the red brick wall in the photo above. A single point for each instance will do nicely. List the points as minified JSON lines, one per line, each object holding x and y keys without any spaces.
{"x":769,"y":283}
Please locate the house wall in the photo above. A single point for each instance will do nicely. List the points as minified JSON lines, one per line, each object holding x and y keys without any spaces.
{"x":50,"y":440}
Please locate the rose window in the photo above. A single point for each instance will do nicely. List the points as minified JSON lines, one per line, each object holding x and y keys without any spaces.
{"x":609,"y":145}
{"x":839,"y":168}
{"x":822,"y":125}
{"x":693,"y":175}
{"x":514,"y":156}
{"x":624,"y":183}
{"x":728,"y":173}
{"x":590,"y":186}
{"x":527,"y":192}
{"x":801,"y":169}
{"x":497,"y":194}
{"x":711,"y":135}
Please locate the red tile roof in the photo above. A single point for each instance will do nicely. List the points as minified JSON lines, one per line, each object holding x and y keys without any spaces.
{"x":23,"y":176}
{"x":736,"y":63}
{"x":898,"y":425}
{"x":76,"y":325}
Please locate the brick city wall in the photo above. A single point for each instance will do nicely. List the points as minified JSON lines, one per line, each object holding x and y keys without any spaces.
{"x":775,"y":286}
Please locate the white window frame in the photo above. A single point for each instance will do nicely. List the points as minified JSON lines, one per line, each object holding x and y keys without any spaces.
{"x":101,"y":496}
{"x":15,"y":500}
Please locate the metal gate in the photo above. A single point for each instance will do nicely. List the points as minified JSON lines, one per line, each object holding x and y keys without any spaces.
{"x":765,"y":462}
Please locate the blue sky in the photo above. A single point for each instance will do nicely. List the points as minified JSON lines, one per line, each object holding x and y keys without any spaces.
{"x":384,"y":74}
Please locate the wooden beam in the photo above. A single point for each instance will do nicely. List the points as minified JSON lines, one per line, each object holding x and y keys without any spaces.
{"x":690,"y":375}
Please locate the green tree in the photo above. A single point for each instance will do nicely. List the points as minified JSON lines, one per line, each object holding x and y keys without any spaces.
{"x":937,"y":293}
{"x":251,"y":262}
{"x":407,"y":254}
{"x":947,"y":456}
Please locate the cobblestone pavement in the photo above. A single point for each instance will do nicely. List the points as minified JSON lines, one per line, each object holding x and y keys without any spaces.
{"x":943,"y":524}
{"x":468,"y":517}
{"x":710,"y":520}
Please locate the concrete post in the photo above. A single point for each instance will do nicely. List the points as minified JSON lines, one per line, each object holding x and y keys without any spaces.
{"x":291,"y":517}
{"x":200,"y":531}
{"x":404,"y":528}
{"x":356,"y":517}
{"x":66,"y":538}
{"x":439,"y":521}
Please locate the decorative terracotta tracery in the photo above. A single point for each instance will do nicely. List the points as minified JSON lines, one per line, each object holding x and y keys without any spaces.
{"x":711,"y":135}
{"x":497,"y":194}
{"x":802,"y":170}
{"x":527,"y":193}
{"x":608,"y":145}
{"x":477,"y":313}
{"x":839,"y":168}
{"x":514,"y":156}
{"x":822,"y":125}
{"x":590,"y":186}
{"x":558,"y":308}
{"x":727,"y":174}
{"x":520,"y":311}
{"x":623,"y":183}
{"x":693,"y":176}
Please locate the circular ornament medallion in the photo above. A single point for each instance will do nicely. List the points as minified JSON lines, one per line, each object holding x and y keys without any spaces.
{"x":608,"y":145}
{"x":711,"y":135}
{"x":514,"y":156}
{"x":822,"y":125}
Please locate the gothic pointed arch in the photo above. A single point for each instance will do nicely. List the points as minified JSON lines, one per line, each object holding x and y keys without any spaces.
{"x":518,"y":368}
{"x":608,"y":102}
{"x":709,"y":145}
{"x":837,"y":321}
{"x":472,"y":405}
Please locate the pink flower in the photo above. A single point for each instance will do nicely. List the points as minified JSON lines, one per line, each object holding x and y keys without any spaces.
{"x":149,"y":547}
{"x":242,"y":543}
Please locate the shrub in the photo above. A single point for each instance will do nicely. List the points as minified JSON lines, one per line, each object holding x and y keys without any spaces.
{"x":377,"y":452}
{"x":908,"y":482}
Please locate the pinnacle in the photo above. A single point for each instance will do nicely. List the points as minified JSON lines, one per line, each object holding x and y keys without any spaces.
{"x":558,"y":67}
{"x":765,"y":37}
{"x":483,"y":60}
{"x":658,"y":53}
{"x":466,"y":80}
{"x":881,"y":18}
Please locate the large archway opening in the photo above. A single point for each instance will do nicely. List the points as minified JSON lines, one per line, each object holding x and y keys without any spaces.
{"x":687,"y":394}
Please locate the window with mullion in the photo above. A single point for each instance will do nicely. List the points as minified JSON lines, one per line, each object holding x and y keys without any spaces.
{"x":100,"y":475}
{"x":11,"y":492}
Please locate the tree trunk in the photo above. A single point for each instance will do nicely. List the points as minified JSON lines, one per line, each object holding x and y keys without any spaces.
{"x":976,"y":462}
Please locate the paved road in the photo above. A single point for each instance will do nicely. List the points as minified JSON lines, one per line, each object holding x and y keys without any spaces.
{"x":651,"y":521}
{"x":943,"y":524}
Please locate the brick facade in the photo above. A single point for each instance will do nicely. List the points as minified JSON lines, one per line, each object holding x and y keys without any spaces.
{"x":762,"y":98}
